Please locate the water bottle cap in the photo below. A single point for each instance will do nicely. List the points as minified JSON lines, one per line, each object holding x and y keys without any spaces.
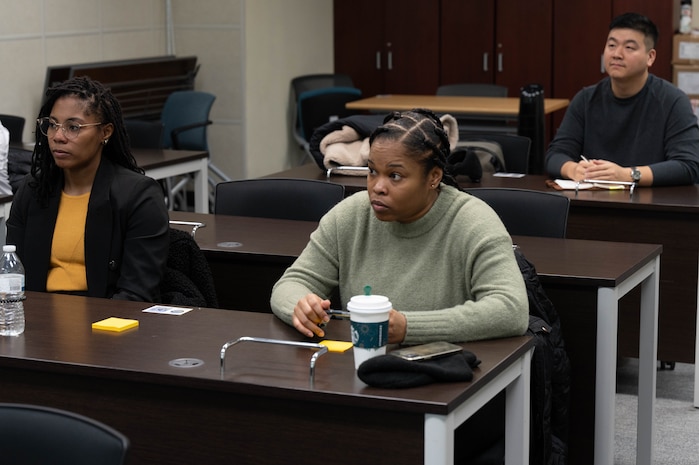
{"x":9,"y":248}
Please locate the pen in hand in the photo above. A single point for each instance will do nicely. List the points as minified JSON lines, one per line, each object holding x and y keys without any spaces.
{"x":582,"y":157}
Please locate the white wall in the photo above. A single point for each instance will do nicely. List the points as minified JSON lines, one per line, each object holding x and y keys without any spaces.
{"x":35,"y":34}
{"x":248,"y":50}
{"x":283,"y":39}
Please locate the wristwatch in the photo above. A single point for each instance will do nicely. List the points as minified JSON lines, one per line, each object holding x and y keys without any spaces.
{"x":635,"y":175}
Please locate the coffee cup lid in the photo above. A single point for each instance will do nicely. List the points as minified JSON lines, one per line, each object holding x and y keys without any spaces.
{"x":368,"y":302}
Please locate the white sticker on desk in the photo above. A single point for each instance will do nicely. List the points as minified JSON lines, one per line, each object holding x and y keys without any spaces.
{"x":165,"y":310}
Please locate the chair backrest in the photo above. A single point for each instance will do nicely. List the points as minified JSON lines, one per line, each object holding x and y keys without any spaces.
{"x":319,"y":106}
{"x":35,"y":435}
{"x":526,"y":212}
{"x":144,"y":134}
{"x":281,"y":198}
{"x":301,"y":84}
{"x":515,"y":149}
{"x":15,"y":125}
{"x":185,"y":118}
{"x":473,"y":90}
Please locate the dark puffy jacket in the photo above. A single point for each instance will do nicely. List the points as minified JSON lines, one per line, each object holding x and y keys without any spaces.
{"x":550,"y":382}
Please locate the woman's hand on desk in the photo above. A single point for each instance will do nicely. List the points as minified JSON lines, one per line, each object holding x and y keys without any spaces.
{"x":397,"y":327}
{"x":309,"y":313}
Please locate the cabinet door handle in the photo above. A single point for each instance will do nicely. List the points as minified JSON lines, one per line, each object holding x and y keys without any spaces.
{"x":500,"y":62}
{"x":390,"y":61}
{"x":485,"y":61}
{"x":378,"y":59}
{"x":601,"y":64}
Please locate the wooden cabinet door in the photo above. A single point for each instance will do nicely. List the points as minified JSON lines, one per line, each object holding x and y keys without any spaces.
{"x":358,"y":43}
{"x":523,"y":49}
{"x":661,"y":13}
{"x":468,"y":41}
{"x":388,"y":46}
{"x":506,"y":42}
{"x":578,"y":57}
{"x":411,"y":46}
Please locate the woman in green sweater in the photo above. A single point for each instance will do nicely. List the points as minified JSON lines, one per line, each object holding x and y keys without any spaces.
{"x":442,"y":257}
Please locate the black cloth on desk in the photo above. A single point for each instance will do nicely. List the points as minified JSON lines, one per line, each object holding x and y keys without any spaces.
{"x":390,"y":371}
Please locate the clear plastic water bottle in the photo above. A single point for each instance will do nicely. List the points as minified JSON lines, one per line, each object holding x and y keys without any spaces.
{"x":11,"y":293}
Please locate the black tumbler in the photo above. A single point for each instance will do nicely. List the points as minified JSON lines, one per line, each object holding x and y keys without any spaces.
{"x":531,"y":124}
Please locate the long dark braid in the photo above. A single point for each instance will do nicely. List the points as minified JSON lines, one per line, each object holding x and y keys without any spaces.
{"x":422,"y":134}
{"x":99,"y":101}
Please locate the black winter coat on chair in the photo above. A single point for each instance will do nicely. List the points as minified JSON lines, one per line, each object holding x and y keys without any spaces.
{"x":187,"y":280}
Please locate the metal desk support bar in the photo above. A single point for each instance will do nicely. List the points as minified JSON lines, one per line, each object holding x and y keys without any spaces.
{"x":309,"y":345}
{"x":194,"y":224}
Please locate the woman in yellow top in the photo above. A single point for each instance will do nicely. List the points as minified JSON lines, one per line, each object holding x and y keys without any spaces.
{"x":86,"y":220}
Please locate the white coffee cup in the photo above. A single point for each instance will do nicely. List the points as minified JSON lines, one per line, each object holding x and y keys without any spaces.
{"x":369,"y":321}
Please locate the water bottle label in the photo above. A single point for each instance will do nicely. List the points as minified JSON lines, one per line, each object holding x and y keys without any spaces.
{"x":11,"y":283}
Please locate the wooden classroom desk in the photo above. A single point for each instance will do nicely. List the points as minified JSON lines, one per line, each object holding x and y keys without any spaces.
{"x":654,"y":215}
{"x":161,"y":384}
{"x":492,"y":106}
{"x":473,"y":106}
{"x":164,"y":163}
{"x":585,"y":279}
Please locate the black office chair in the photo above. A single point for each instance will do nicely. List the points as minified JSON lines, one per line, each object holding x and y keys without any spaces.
{"x":526,"y":212}
{"x":35,"y":435}
{"x":15,"y":125}
{"x":318,"y":99}
{"x":480,"y":123}
{"x":301,"y":84}
{"x":144,"y":134}
{"x":515,"y":149}
{"x":281,"y":198}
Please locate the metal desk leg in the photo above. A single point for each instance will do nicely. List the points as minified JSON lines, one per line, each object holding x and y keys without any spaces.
{"x":201,"y":187}
{"x":647,"y":367}
{"x":696,"y":356}
{"x":605,"y":387}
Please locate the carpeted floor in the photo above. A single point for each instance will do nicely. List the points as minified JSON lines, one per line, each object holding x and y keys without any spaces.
{"x":677,"y":421}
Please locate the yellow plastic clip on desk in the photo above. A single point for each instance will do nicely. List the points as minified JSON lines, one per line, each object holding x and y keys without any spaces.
{"x":115,"y":324}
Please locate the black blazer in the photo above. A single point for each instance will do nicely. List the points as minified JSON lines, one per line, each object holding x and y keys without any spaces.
{"x":126,"y":234}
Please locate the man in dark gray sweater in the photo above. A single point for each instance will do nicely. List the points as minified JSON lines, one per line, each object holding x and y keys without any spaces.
{"x":632,"y":125}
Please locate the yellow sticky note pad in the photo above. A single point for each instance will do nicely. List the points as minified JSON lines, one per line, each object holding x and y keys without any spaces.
{"x":337,"y":346}
{"x":115,"y":324}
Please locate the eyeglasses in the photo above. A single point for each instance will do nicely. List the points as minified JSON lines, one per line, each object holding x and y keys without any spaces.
{"x":70,"y":129}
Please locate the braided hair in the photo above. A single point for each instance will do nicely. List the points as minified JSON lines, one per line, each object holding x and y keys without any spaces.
{"x":423,"y":136}
{"x":99,"y":101}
